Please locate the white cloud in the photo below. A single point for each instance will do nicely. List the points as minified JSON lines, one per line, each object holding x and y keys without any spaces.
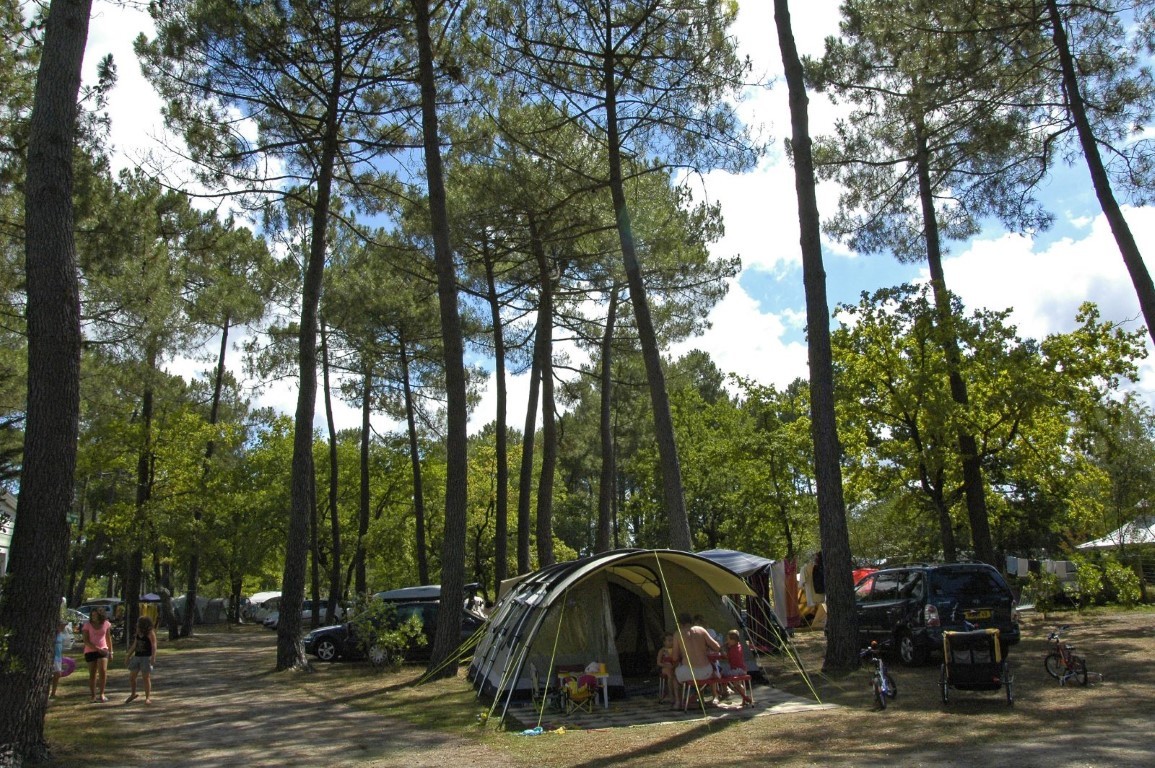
{"x":1045,"y":286}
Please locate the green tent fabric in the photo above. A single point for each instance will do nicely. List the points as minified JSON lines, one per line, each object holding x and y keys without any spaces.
{"x":613,"y":608}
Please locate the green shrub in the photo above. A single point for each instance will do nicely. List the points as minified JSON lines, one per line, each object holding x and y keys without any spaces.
{"x":1043,"y":590}
{"x":1088,"y":586}
{"x":1123,"y":582}
{"x":383,"y":646}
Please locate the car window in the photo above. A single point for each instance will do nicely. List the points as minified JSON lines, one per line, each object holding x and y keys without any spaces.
{"x":406,"y":612}
{"x":968,"y":583}
{"x":864,"y":589}
{"x":913,"y":586}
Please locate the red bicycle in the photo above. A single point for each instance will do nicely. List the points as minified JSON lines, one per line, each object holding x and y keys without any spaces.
{"x":1063,"y":663}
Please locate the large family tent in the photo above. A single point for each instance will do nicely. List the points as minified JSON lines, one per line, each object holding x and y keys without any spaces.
{"x":613,"y":608}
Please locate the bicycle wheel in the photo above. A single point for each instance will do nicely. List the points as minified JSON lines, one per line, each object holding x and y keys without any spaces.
{"x":1055,"y":666}
{"x":1080,"y":671}
{"x":891,"y":687}
{"x":879,"y":694}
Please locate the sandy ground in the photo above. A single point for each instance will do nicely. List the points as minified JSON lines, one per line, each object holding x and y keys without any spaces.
{"x":220,"y":704}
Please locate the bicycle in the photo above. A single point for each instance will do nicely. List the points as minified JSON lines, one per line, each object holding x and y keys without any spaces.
{"x":1062,"y":663}
{"x":880,"y":680}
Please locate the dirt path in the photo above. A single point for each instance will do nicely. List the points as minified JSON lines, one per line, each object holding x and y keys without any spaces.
{"x":215,"y":707}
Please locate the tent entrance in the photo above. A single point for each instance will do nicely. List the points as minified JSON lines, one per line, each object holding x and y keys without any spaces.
{"x":638,"y":629}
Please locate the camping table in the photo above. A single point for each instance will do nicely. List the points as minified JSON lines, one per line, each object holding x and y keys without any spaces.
{"x":603,"y":682}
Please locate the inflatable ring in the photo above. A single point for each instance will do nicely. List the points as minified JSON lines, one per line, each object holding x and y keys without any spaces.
{"x":67,"y":666}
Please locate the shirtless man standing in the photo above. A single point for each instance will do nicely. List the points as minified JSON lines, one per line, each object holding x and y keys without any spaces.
{"x":691,"y":649}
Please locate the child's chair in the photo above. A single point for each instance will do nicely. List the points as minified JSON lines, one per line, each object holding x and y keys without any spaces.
{"x":581,"y":693}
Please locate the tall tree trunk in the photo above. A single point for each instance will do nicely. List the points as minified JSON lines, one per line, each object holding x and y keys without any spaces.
{"x":144,"y":460}
{"x":1132,"y":258}
{"x":973,"y":486}
{"x":30,"y":605}
{"x":543,"y":356}
{"x":841,"y":629}
{"x":678,"y":531}
{"x":501,"y":522}
{"x":448,"y":636}
{"x":422,"y":546}
{"x":290,"y":652}
{"x":525,"y":478}
{"x":606,"y":486}
{"x":210,"y":449}
{"x":334,"y":519}
{"x":361,"y":580}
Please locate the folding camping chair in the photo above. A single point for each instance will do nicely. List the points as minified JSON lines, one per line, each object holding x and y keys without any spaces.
{"x":543,"y":696}
{"x":580,"y":693}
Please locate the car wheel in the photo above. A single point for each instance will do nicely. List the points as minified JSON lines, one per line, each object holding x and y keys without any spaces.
{"x":908,"y":652}
{"x":326,"y":650}
{"x":378,"y":655}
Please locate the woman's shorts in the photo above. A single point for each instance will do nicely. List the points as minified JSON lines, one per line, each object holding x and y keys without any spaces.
{"x":57,"y":667}
{"x":91,"y":656}
{"x":141,"y":664}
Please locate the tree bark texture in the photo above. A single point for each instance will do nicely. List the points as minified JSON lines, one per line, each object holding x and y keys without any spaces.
{"x":420,"y":546}
{"x":543,"y":355}
{"x":841,"y":629}
{"x":606,"y":487}
{"x":678,"y":525}
{"x":501,"y":523}
{"x":973,"y":487}
{"x":525,"y":477}
{"x":442,"y":661}
{"x":1132,"y":258}
{"x":31,"y":602}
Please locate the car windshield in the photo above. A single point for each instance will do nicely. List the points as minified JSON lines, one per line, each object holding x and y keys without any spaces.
{"x":968,"y":583}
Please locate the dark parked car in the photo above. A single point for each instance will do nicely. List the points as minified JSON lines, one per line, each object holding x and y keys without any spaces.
{"x":908,"y":607}
{"x":341,"y":641}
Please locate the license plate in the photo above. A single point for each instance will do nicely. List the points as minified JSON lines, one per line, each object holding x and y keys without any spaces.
{"x":983,"y":613}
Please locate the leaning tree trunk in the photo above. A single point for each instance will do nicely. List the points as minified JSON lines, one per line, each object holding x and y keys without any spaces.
{"x":525,"y":478}
{"x":334,"y":519}
{"x":501,"y":523}
{"x":442,"y":662}
{"x":1132,"y":258}
{"x":973,"y":486}
{"x":290,"y":651}
{"x":30,"y":605}
{"x":415,"y":462}
{"x":841,"y":629}
{"x":543,"y":356}
{"x":363,"y":500}
{"x":606,"y":486}
{"x":194,"y":560}
{"x":678,"y":521}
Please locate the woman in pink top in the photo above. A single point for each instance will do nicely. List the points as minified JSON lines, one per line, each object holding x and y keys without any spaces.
{"x":97,"y":651}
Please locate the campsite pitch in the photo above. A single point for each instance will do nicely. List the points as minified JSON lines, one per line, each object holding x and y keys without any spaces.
{"x":218,"y":703}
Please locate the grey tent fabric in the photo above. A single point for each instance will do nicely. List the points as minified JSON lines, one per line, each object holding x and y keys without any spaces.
{"x":613,"y":608}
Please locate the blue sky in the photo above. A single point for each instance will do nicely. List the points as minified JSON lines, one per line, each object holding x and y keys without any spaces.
{"x":757,"y":330}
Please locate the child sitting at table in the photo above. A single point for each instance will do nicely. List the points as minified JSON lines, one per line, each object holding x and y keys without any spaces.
{"x":734,"y":663}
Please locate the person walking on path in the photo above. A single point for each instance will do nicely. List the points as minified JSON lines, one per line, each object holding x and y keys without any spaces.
{"x":142,"y":658}
{"x":97,"y":652}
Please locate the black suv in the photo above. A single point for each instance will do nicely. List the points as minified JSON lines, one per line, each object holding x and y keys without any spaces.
{"x":911,"y":605}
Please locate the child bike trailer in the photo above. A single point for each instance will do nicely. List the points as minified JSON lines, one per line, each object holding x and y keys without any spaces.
{"x":973,"y":661}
